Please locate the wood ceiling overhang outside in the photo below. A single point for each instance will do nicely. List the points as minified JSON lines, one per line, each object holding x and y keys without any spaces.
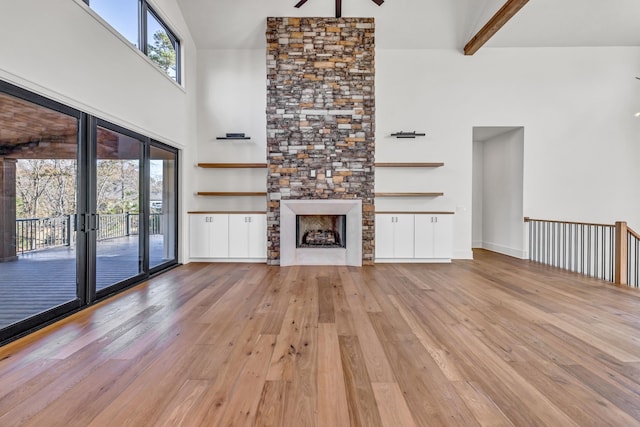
{"x":31,"y":131}
{"x":497,"y":21}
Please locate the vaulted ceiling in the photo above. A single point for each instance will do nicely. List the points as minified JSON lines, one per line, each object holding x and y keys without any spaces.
{"x":426,"y":24}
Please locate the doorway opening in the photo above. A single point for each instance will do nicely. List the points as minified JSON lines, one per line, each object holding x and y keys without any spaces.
{"x":498,"y":166}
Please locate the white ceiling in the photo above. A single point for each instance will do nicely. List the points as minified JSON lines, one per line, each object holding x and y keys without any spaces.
{"x":426,"y":24}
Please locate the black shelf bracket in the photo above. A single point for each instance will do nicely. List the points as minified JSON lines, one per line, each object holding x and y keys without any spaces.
{"x":402,"y":134}
{"x":234,"y":136}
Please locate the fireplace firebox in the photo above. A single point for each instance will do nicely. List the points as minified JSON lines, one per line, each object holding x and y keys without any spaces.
{"x":321,"y":231}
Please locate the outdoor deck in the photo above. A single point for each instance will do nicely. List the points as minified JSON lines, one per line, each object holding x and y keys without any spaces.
{"x":43,"y":279}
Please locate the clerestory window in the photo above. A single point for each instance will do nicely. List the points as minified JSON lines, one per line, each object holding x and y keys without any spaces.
{"x":142,"y":26}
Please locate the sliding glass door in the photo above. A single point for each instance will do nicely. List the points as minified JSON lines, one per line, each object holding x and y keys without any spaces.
{"x":119,"y":207}
{"x":39,"y":172}
{"x":163,"y":205}
{"x":87,"y":208}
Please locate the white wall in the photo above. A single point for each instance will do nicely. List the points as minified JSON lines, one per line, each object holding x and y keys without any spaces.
{"x":502,"y":217}
{"x":577,"y":105}
{"x":477,"y":192}
{"x":59,"y":49}
{"x":232,"y":98}
{"x":62,"y":50}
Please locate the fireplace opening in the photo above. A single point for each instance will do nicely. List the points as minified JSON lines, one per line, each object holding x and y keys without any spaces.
{"x":321,"y":231}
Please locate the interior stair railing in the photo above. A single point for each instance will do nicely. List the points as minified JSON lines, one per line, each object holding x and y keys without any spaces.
{"x":605,"y":251}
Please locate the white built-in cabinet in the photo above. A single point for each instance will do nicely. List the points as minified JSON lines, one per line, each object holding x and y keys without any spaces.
{"x":433,"y":236}
{"x":247,"y":236}
{"x":394,"y":235}
{"x":209,"y":236}
{"x":414,"y":237}
{"x":228,"y":236}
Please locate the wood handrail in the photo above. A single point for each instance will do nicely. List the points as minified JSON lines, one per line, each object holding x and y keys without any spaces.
{"x":527,"y":219}
{"x":633,"y":233}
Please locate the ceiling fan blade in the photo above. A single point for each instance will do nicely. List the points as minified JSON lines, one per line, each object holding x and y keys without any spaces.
{"x":378,"y":2}
{"x":300,"y":3}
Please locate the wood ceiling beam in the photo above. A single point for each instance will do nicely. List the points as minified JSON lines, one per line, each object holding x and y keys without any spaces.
{"x":497,"y":21}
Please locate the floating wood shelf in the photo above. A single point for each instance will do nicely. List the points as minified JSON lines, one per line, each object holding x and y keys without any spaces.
{"x":232,"y":165}
{"x":417,"y":212}
{"x":410,"y":165}
{"x":233,"y":137}
{"x":227,"y":212}
{"x":231,"y":193}
{"x":409,"y":194}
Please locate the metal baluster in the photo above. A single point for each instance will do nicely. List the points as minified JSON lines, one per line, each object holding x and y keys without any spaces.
{"x":637,"y":262}
{"x":530,"y":227}
{"x":564,"y":247}
{"x":588,"y":271}
{"x":611,"y":253}
{"x":548,"y":238}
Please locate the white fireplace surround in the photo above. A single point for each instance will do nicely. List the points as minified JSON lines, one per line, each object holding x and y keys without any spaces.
{"x":290,"y":255}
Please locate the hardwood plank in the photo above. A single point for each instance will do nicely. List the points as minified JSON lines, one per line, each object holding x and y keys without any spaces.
{"x":243,"y":402}
{"x":439,"y":355}
{"x":363,"y":409}
{"x":374,"y":357}
{"x":489,"y":341}
{"x":276,"y":299}
{"x":342,"y":312}
{"x":293,"y":341}
{"x":485,"y":410}
{"x":326,"y":312}
{"x":392,"y":406}
{"x":81,"y":403}
{"x":302,"y":364}
{"x":138,"y":403}
{"x":247,"y":346}
{"x":177,"y":411}
{"x":565,"y":389}
{"x":332,"y":399}
{"x":270,"y":410}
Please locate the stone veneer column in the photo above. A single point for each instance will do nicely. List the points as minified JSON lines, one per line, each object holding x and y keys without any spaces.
{"x":320,"y":117}
{"x":7,"y":210}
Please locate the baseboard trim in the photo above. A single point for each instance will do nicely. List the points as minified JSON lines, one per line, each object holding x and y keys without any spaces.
{"x":505,"y":250}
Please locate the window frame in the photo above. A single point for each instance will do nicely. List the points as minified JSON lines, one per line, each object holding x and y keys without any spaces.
{"x":145,"y":7}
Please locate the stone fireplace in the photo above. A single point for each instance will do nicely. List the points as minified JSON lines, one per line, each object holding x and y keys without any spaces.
{"x":292,"y":254}
{"x":320,"y":137}
{"x":321,"y":231}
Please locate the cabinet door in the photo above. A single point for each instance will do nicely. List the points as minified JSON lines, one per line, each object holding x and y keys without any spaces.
{"x":238,"y":235}
{"x":219,"y":235}
{"x":198,"y":236}
{"x":424,"y":236}
{"x":258,"y":236}
{"x":384,"y":235}
{"x":403,"y":239}
{"x":443,"y":236}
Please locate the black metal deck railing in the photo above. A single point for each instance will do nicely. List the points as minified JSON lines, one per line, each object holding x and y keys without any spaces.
{"x":41,"y":233}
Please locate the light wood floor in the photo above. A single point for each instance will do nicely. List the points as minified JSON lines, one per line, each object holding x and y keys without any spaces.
{"x":494,"y":341}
